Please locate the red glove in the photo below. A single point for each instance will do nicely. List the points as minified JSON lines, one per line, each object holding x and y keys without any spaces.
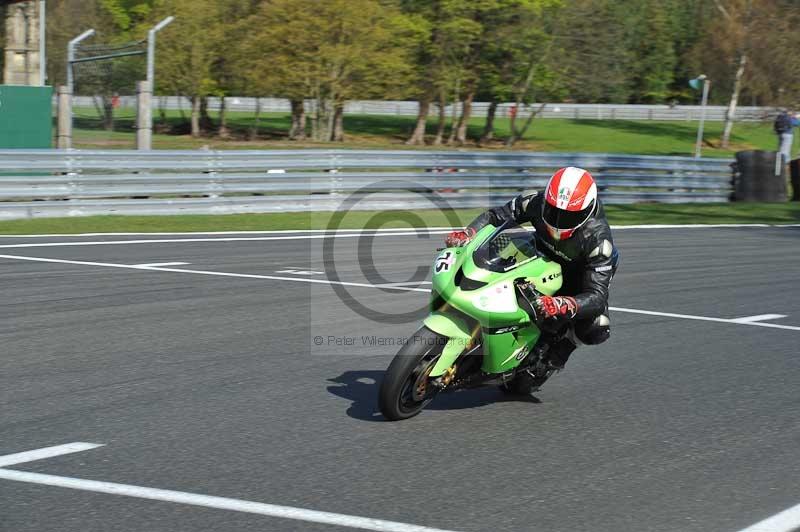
{"x":459,"y":238}
{"x":557,"y":307}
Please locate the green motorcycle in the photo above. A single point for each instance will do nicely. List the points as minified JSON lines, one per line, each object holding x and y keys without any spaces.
{"x":483,"y":328}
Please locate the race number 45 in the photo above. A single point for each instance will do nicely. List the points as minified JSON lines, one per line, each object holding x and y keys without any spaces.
{"x":444,"y":261}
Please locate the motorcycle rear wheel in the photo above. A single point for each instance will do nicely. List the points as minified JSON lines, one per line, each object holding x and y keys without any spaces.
{"x":406,"y":388}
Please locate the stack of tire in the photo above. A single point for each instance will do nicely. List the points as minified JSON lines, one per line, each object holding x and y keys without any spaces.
{"x":755,"y":178}
{"x":794,"y":172}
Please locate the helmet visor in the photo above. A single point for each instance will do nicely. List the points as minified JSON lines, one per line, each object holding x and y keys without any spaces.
{"x":563,"y":219}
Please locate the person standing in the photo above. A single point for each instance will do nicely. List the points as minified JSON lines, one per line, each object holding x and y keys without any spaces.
{"x":784,"y":123}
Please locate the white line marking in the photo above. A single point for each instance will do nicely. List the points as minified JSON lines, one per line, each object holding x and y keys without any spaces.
{"x":390,"y":286}
{"x":298,"y":271}
{"x":704,"y":318}
{"x":204,"y":272}
{"x":220,"y":503}
{"x":404,"y":283}
{"x":47,"y":452}
{"x":274,"y":232}
{"x":196,"y":240}
{"x":157,"y":264}
{"x":193,"y":499}
{"x":760,"y":317}
{"x":786,"y":521}
{"x":302,"y":234}
{"x":382,"y":230}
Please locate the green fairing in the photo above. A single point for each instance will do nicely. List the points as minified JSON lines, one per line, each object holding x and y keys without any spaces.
{"x":493,"y":306}
{"x":456,"y":330}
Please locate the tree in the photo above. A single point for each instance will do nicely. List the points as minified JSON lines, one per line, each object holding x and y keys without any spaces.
{"x":115,"y":22}
{"x":187,"y":55}
{"x":590,"y":50}
{"x":333,"y":51}
{"x":748,"y":49}
{"x":652,"y":44}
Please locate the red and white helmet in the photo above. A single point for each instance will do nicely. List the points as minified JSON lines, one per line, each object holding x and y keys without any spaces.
{"x":570,"y":199}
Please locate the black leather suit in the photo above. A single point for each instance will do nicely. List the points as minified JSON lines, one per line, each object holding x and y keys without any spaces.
{"x":588,"y":260}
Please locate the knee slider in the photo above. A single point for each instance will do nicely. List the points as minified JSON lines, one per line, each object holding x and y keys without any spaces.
{"x":597,"y":333}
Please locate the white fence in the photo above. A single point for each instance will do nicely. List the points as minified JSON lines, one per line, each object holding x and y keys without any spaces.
{"x":578,"y":111}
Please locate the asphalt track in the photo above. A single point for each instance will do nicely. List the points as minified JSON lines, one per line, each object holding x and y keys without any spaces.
{"x":215,"y":385}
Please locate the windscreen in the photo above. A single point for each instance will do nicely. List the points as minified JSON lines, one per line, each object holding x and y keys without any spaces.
{"x":508,"y":247}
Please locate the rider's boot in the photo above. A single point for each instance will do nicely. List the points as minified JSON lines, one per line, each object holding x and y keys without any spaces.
{"x":559,"y":352}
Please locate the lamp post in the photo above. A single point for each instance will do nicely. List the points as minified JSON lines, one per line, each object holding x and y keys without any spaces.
{"x":42,"y":43}
{"x":695,"y":84}
{"x":151,"y":50}
{"x":71,"y":56}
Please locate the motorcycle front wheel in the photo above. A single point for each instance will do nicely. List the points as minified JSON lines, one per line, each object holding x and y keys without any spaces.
{"x":406,"y":389}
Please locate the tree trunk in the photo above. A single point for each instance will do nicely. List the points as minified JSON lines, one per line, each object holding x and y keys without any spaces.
{"x":196,"y":116}
{"x":162,"y":109}
{"x":488,"y":129}
{"x":180,"y":109}
{"x":323,"y":121}
{"x":729,"y":116}
{"x":330,"y":120}
{"x":298,"y":128}
{"x":441,"y":123}
{"x":453,"y":122}
{"x":315,"y":120}
{"x":223,"y":131}
{"x":418,"y":136}
{"x":254,"y":130}
{"x":338,"y":123}
{"x":105,"y":111}
{"x":463,"y":120}
{"x":206,"y":124}
{"x":517,"y":134}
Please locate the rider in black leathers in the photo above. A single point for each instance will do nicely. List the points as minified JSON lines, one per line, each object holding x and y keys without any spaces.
{"x":588,"y":259}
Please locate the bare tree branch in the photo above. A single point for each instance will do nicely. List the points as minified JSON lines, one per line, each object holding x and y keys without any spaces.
{"x":722,"y":9}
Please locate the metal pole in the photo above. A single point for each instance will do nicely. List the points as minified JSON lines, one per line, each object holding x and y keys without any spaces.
{"x":64,"y":132}
{"x":706,"y":83}
{"x":42,"y":44}
{"x":71,"y":55}
{"x":144,"y":117}
{"x":151,"y":50}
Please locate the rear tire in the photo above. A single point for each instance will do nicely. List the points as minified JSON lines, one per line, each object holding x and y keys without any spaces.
{"x":406,"y":389}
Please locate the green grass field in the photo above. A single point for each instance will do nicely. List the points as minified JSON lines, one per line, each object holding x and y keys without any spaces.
{"x":718,"y":213}
{"x":389,"y":132}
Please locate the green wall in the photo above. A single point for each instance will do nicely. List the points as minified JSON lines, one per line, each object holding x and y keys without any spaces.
{"x":26,"y":116}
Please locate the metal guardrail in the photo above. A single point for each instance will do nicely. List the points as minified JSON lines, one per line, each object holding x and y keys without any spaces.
{"x":581,"y":111}
{"x":47,"y":183}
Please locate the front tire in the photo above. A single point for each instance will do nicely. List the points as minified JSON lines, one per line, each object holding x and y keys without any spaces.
{"x":406,"y":388}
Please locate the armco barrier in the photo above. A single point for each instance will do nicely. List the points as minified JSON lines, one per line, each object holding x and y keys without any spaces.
{"x":42,"y":183}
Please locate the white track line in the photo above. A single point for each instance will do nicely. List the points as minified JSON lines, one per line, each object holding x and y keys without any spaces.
{"x":389,"y":286}
{"x":760,"y":317}
{"x":193,"y":499}
{"x":273,"y":232}
{"x":204,"y":272}
{"x":195,"y":240}
{"x":786,"y":521}
{"x":382,"y":230}
{"x":153,"y":264}
{"x":219,"y":503}
{"x":704,"y":318}
{"x":300,"y":235}
{"x":47,"y":452}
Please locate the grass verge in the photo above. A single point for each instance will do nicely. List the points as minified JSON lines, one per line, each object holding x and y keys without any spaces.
{"x":718,"y":213}
{"x":390,"y":132}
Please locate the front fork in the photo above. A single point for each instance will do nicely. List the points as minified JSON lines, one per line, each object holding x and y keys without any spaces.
{"x":460,"y":338}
